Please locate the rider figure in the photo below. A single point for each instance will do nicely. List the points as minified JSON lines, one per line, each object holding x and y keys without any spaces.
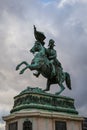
{"x":52,"y":56}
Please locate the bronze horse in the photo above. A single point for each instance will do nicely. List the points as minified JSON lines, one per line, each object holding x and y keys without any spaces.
{"x":42,"y":64}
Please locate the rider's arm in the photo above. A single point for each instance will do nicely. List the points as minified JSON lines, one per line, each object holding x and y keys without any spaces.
{"x":53,"y":56}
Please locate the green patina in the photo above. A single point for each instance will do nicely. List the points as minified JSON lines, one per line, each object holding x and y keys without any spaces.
{"x":45,"y":62}
{"x":38,"y":99}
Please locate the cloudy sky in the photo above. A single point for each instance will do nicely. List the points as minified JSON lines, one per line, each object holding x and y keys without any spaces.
{"x":65,"y":21}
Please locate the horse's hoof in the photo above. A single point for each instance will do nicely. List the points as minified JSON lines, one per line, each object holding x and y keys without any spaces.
{"x":46,"y":90}
{"x":35,"y":75}
{"x":17,"y":68}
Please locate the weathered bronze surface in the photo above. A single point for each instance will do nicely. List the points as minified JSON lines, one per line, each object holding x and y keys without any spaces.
{"x":31,"y":98}
{"x":45,"y":62}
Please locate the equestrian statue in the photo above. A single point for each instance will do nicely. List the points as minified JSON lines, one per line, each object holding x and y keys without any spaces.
{"x":45,"y":62}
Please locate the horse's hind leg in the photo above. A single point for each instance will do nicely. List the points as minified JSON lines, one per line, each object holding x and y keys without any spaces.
{"x":61,"y":90}
{"x":48,"y":86}
{"x":18,"y":66}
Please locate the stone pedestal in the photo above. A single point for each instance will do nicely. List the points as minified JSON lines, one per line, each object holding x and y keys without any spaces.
{"x":36,"y":110}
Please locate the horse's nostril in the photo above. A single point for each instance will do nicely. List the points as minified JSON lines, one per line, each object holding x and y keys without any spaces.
{"x":31,"y":50}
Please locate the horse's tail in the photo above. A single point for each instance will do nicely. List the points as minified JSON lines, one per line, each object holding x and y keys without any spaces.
{"x":68,"y":80}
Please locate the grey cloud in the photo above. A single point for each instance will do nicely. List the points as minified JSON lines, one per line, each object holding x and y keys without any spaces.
{"x":66,"y":25}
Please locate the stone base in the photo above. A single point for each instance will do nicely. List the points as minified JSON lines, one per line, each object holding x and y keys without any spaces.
{"x":42,"y":120}
{"x":36,"y":98}
{"x":35,"y":109}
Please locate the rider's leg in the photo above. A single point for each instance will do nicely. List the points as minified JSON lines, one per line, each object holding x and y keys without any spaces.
{"x":53,"y":69}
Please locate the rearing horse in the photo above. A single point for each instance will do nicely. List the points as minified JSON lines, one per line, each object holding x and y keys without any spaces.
{"x":42,"y":64}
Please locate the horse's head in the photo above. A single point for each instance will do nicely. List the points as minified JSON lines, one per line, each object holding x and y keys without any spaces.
{"x":36,"y":48}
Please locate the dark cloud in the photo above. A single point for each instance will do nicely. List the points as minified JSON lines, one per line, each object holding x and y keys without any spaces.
{"x":65,"y":22}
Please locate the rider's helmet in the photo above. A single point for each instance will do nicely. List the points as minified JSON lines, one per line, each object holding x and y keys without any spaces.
{"x":51,"y":42}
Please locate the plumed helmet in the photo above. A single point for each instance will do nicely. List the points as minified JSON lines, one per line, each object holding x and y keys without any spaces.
{"x":51,"y":42}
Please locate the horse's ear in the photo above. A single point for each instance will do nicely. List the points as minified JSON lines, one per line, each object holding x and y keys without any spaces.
{"x":34,"y":28}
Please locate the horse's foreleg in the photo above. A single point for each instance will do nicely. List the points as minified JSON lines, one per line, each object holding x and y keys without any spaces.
{"x":22,"y":71}
{"x":31,"y":67}
{"x":18,"y":66}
